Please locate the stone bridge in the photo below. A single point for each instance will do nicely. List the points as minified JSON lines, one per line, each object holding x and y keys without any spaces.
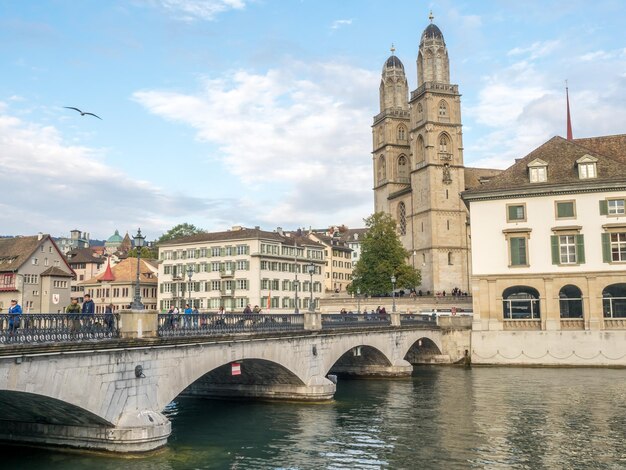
{"x":109,"y":394}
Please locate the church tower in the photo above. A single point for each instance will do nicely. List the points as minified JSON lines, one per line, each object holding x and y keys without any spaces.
{"x":431,"y":218}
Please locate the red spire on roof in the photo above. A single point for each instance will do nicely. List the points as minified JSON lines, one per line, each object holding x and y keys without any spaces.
{"x":108,"y":274}
{"x":570,"y":135}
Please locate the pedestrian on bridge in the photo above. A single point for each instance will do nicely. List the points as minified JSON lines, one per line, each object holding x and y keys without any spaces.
{"x":73,"y":313}
{"x":15,"y":312}
{"x":88,"y":311}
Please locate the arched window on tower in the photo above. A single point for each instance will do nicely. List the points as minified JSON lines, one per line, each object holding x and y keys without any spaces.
{"x":450,"y":258}
{"x":403,"y":169}
{"x":420,"y":111}
{"x":382,"y":171}
{"x":402,"y":218}
{"x":443,"y":110}
{"x":444,"y":144}
{"x":401,"y":132}
{"x":420,"y":149}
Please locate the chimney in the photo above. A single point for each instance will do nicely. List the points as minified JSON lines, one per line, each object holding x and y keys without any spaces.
{"x":280,"y":231}
{"x":39,"y":236}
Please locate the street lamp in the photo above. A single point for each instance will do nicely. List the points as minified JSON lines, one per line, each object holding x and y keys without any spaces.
{"x":139,"y":243}
{"x":189,"y":275}
{"x":311,"y":268}
{"x":358,"y":300}
{"x":393,"y":293}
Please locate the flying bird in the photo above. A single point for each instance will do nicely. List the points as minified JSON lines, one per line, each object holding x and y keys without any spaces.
{"x":83,"y":113}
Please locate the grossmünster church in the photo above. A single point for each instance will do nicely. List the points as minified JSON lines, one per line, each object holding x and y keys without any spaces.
{"x":418,"y":165}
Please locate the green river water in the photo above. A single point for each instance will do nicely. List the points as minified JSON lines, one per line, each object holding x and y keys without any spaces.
{"x":441,"y":418}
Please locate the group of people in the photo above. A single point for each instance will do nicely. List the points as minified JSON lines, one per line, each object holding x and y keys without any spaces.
{"x":82,"y":315}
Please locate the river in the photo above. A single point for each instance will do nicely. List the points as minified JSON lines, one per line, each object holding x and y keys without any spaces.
{"x":441,"y":418}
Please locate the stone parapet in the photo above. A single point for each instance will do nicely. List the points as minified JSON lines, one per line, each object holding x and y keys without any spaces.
{"x":138,"y":323}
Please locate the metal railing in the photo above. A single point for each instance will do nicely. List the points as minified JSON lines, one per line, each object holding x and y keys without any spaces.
{"x":215,"y":324}
{"x":351,"y":320}
{"x":56,"y":327}
{"x":418,"y":319}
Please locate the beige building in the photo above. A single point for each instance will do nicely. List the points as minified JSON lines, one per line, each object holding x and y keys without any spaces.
{"x":239,"y":267}
{"x":418,"y":164}
{"x":34,"y":272}
{"x":338,"y":256}
{"x":549,"y":252}
{"x":86,"y":264}
{"x":116,"y":285}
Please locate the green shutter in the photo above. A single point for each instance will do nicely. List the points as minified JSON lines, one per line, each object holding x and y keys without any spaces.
{"x":514,"y":243}
{"x":580,"y":249}
{"x":512,"y":213}
{"x":522,"y":251}
{"x":554,"y":242}
{"x":161,"y":288}
{"x":606,"y":247}
{"x":604,"y":207}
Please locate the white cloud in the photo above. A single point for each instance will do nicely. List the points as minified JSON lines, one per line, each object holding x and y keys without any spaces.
{"x":51,"y":186}
{"x":304,"y":129}
{"x":537,"y":49}
{"x":189,"y":10}
{"x":339,"y":23}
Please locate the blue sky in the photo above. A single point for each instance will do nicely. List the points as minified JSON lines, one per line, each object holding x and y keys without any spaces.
{"x":258,"y":112}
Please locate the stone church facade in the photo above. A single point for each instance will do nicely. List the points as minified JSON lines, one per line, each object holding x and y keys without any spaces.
{"x":418,"y":165}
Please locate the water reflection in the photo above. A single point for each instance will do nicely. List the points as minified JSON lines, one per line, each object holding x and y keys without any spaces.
{"x":442,"y":418}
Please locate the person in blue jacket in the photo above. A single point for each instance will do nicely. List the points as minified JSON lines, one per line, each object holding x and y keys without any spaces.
{"x":14,"y":315}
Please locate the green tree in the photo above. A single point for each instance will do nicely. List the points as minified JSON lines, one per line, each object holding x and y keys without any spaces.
{"x":179,"y":231}
{"x":146,"y":253}
{"x":382,"y":256}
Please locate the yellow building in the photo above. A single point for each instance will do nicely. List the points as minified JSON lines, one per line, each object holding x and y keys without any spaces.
{"x":338,"y":256}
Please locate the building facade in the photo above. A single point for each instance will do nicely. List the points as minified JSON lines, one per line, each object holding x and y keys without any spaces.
{"x":549,"y":249}
{"x":76,"y":240}
{"x":34,"y":272}
{"x":354,"y":239}
{"x":86,"y":263}
{"x":418,"y":164}
{"x":338,"y":262}
{"x":116,"y":285}
{"x":238,"y":267}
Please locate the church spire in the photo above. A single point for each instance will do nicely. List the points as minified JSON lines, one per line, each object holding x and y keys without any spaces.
{"x":570,"y":135}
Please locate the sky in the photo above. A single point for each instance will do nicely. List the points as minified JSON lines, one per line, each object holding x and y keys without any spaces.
{"x":259,"y":112}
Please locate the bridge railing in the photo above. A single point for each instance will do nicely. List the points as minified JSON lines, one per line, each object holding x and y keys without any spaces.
{"x":351,"y":320}
{"x":207,"y":324}
{"x":57,"y":327}
{"x":418,"y":319}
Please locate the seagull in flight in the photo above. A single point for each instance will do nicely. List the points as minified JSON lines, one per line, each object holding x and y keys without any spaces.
{"x":83,"y":113}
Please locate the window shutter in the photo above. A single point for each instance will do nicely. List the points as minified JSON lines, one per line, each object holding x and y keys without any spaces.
{"x":606,"y":247}
{"x":512,"y":213}
{"x":554,"y":242}
{"x":604,"y":207}
{"x":161,"y":288}
{"x":514,"y":242}
{"x":580,"y":249}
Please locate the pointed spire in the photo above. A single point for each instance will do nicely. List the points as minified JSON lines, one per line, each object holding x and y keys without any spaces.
{"x":569,"y":119}
{"x":108,"y":274}
{"x":431,"y":17}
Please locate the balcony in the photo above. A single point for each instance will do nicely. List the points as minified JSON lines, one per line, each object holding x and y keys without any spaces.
{"x":227,"y":273}
{"x":228,"y":292}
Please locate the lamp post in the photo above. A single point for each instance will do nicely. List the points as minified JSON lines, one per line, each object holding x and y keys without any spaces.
{"x":358,"y":300}
{"x":139,"y":243}
{"x":295,"y":284}
{"x":393,"y":294}
{"x":189,"y":275}
{"x":311,"y":269}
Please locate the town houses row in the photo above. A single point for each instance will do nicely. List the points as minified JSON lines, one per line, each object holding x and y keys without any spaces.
{"x":277,"y":270}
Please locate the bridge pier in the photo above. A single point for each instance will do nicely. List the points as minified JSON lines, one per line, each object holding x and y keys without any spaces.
{"x":136,"y":432}
{"x":400,"y":369}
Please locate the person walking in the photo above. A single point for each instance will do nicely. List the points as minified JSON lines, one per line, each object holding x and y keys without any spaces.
{"x":188,"y":311}
{"x":247,"y":309}
{"x":73,"y":314}
{"x":109,"y":319}
{"x":88,"y":311}
{"x":15,"y":312}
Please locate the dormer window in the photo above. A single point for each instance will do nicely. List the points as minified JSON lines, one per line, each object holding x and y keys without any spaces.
{"x":587,"y":167}
{"x":538,"y":171}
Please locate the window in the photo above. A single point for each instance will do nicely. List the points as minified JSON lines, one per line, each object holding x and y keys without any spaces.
{"x":35,"y":261}
{"x":420,"y":149}
{"x":614,"y":247}
{"x":518,"y":253}
{"x":403,"y":169}
{"x":538,"y":175}
{"x":614,"y":301}
{"x":402,"y":218}
{"x":520,"y":303}
{"x":565,"y":209}
{"x":450,"y":258}
{"x":614,"y":207}
{"x":215,"y":251}
{"x":568,"y":249}
{"x":401,"y":132}
{"x":444,"y":143}
{"x":443,"y":109}
{"x":587,"y":170}
{"x":570,"y":302}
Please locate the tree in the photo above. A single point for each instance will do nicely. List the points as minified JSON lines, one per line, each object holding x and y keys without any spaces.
{"x":179,"y":231}
{"x":382,"y":256}
{"x":146,"y":253}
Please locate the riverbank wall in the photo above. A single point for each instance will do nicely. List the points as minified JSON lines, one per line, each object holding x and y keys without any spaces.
{"x":596,"y":348}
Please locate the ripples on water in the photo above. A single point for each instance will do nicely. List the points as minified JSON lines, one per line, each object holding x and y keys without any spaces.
{"x":442,"y":418}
